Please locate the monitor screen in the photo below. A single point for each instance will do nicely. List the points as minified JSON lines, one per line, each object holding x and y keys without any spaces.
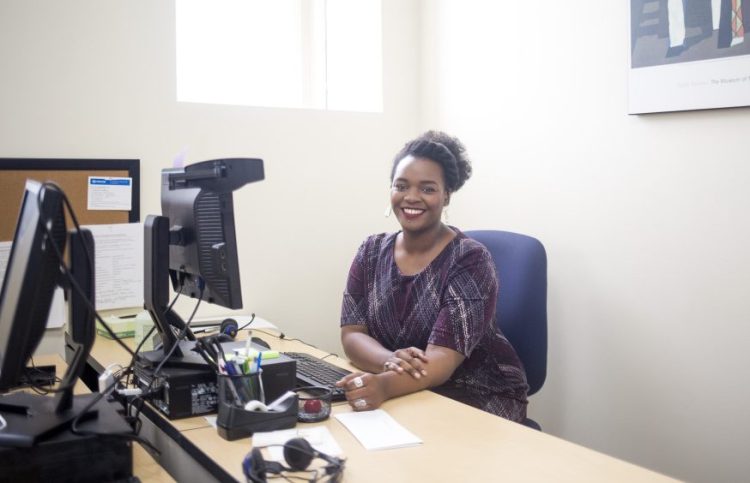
{"x":31,"y":276}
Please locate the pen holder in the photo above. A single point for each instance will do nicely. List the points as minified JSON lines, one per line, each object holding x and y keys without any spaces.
{"x":234,"y":421}
{"x":240,"y":389}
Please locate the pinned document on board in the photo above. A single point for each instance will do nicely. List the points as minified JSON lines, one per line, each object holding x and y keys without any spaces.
{"x":118,"y":264}
{"x":109,"y":193}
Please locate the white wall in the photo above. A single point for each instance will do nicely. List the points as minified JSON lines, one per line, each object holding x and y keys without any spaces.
{"x":644,"y":219}
{"x":97,"y":79}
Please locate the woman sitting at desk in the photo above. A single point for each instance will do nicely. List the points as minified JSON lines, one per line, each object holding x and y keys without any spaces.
{"x":419,"y":305}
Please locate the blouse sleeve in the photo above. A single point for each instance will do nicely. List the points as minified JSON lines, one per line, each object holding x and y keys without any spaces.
{"x":467,"y":309}
{"x":354,"y":304}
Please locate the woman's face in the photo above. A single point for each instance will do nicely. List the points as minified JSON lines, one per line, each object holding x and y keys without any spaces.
{"x":418,"y":193}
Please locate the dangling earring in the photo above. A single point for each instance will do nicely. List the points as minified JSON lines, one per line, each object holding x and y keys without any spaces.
{"x":388,"y":211}
{"x":445,"y":214}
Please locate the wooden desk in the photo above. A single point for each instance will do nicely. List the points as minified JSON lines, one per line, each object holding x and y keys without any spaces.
{"x":460,"y":443}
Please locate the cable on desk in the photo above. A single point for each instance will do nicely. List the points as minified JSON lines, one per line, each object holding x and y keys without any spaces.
{"x":117,"y":377}
{"x":40,"y":381}
{"x":252,"y":317}
{"x":180,"y":336}
{"x":130,"y":436}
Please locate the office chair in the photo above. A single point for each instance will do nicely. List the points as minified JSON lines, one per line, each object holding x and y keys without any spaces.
{"x":521,"y":265}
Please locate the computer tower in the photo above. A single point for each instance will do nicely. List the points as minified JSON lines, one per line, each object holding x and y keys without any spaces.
{"x":188,"y":387}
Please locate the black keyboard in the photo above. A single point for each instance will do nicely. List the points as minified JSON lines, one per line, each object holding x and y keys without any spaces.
{"x":312,"y":371}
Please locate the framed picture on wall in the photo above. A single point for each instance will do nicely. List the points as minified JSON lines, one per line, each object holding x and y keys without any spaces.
{"x":688,"y":54}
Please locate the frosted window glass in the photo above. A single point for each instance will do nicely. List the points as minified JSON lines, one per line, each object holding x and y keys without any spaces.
{"x":280,"y":53}
{"x":355,"y":74}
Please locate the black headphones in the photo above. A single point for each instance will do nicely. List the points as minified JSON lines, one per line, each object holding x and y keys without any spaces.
{"x":298,"y":454}
{"x":229,"y":327}
{"x":227,"y":330}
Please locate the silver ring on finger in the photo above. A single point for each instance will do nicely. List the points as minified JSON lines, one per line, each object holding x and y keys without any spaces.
{"x":360,"y":403}
{"x":358,"y":382}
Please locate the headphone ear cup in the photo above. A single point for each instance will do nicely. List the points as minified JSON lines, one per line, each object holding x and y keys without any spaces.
{"x":298,"y":454}
{"x":229,"y":327}
{"x":254,"y":466}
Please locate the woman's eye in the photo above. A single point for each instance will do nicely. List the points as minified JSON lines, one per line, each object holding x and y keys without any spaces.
{"x":428,"y":190}
{"x":399,"y":187}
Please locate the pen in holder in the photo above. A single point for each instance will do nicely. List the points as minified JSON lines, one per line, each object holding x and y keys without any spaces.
{"x":239,"y":392}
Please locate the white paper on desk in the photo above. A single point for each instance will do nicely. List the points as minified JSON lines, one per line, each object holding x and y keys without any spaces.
{"x":119,"y":265}
{"x":377,"y":430}
{"x":57,"y":313}
{"x":319,"y":438}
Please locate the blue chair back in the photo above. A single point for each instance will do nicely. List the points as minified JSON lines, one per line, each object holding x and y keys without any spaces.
{"x":521,"y":265}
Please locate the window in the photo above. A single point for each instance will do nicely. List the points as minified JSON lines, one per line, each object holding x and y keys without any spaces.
{"x":319,"y":54}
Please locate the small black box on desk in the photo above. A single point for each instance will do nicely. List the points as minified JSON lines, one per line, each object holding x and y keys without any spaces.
{"x":100,"y":454}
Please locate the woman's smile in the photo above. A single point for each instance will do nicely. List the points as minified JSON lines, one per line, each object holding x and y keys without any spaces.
{"x":412,"y":213}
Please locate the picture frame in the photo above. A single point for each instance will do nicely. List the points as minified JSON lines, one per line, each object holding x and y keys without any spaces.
{"x":688,"y":54}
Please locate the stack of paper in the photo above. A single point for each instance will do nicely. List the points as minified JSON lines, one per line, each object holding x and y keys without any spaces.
{"x":377,"y":430}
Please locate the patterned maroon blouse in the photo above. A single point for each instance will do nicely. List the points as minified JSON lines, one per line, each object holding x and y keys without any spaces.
{"x":451,"y":303}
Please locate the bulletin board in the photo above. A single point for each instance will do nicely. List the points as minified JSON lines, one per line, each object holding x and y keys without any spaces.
{"x":72,"y":176}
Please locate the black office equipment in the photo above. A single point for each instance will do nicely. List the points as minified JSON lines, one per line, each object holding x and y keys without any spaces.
{"x":35,"y":428}
{"x":194,"y":242}
{"x":189,"y":386}
{"x":194,"y":245}
{"x":312,"y":371}
{"x":31,"y":277}
{"x":30,"y":280}
{"x":101,"y":454}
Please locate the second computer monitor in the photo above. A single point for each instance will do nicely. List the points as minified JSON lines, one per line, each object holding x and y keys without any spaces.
{"x":198,"y":202}
{"x":31,"y":276}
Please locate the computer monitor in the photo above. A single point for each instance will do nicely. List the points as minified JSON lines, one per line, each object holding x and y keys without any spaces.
{"x":203,"y":246}
{"x":32,"y":273}
{"x":193,"y":243}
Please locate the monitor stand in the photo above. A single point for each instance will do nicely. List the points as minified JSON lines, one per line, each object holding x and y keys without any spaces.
{"x":30,"y":418}
{"x":37,"y":443}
